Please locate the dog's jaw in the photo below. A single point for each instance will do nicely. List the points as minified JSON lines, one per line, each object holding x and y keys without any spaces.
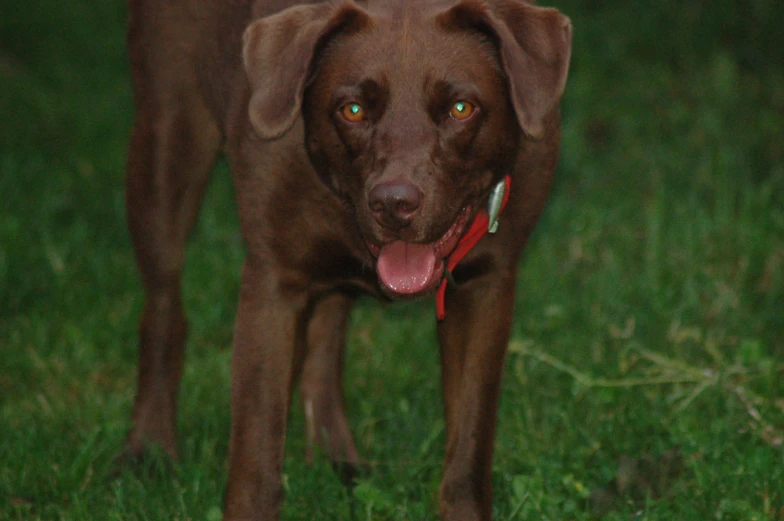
{"x":411,"y":270}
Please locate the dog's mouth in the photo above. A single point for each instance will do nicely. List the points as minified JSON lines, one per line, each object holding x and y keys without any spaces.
{"x":408,"y":269}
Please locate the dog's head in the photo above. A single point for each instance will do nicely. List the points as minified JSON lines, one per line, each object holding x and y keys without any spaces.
{"x":412,"y":112}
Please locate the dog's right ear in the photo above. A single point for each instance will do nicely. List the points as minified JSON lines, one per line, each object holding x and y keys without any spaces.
{"x":278,"y":52}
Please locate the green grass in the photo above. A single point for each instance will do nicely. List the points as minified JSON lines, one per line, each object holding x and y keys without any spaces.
{"x":650,"y":307}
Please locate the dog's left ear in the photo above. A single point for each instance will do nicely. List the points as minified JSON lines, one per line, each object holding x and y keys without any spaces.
{"x":278,"y":51}
{"x":535,"y":45}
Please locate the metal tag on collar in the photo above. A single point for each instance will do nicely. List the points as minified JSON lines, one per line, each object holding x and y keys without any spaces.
{"x":494,"y":203}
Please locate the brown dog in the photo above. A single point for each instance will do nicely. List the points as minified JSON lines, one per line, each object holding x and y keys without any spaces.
{"x":365,"y":141}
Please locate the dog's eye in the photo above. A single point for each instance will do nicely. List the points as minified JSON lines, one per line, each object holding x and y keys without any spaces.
{"x":353,"y":112}
{"x":461,"y":110}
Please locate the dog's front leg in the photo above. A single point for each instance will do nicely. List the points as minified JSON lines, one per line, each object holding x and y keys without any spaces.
{"x":269,"y":329}
{"x":473,"y":340}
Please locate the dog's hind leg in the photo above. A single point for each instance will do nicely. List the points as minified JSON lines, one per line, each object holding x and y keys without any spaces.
{"x":321,"y":388}
{"x":174,"y":145}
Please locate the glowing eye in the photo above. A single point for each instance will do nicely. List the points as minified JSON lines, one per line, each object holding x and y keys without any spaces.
{"x":461,"y":110}
{"x":353,"y":112}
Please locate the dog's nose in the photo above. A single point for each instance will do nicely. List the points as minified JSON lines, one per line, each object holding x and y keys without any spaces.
{"x":394,"y":205}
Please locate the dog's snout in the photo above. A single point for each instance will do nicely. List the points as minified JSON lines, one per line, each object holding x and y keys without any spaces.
{"x":394,"y":205}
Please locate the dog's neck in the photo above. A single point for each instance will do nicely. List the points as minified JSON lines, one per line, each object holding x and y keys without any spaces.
{"x":484,"y":222}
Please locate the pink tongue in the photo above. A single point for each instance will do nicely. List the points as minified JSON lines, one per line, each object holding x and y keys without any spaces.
{"x":406,"y":268}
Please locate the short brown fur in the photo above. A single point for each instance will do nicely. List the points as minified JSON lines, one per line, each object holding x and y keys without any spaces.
{"x":321,"y":199}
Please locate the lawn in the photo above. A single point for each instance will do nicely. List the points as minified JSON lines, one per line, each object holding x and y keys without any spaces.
{"x":645,"y":376}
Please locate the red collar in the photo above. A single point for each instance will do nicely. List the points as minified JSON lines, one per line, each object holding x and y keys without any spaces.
{"x":469,"y":239}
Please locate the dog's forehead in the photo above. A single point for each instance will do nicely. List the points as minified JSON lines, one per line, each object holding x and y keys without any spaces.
{"x":400,"y":9}
{"x":408,"y":46}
